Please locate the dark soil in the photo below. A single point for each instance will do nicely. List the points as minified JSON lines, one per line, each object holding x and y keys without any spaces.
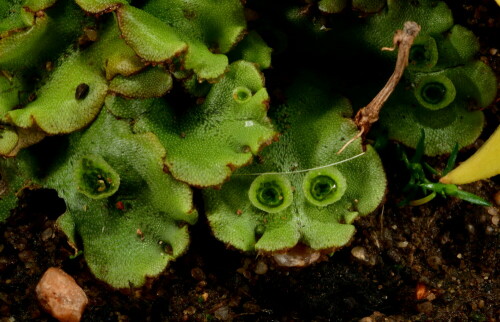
{"x":434,"y":262}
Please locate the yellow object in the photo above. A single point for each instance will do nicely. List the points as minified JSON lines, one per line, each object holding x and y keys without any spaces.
{"x":485,"y":163}
{"x":498,"y":2}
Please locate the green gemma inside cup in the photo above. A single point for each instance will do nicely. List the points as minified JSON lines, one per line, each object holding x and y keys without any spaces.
{"x":96,"y":178}
{"x":271,"y":193}
{"x":324,"y":186}
{"x":435,"y":92}
{"x":242,"y":94}
{"x":423,"y":54}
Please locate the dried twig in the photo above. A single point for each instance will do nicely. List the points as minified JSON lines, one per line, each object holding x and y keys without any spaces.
{"x":403,"y":39}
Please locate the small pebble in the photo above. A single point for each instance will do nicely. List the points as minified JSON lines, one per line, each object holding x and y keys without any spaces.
{"x":222,"y":313}
{"x":298,"y":256}
{"x":4,"y":263}
{"x":49,"y":66}
{"x":362,"y":255}
{"x":47,"y":234}
{"x":402,"y":244}
{"x":425,"y":307}
{"x":251,"y":307}
{"x":359,"y":253}
{"x":90,"y":33}
{"x":434,"y":262}
{"x":198,"y":274}
{"x":261,"y":268}
{"x":247,"y":262}
{"x":60,"y":296}
{"x":376,"y":316}
{"x":26,"y":256}
{"x":244,"y":272}
{"x":431,"y":297}
{"x":190,"y":310}
{"x":421,"y":291}
{"x":496,"y":197}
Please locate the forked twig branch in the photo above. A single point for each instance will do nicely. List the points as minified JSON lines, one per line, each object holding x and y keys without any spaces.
{"x":403,"y":40}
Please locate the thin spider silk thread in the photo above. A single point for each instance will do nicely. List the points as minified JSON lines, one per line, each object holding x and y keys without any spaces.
{"x":305,"y":170}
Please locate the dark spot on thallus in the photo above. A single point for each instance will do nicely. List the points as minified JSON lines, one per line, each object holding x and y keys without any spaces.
{"x":82,"y":91}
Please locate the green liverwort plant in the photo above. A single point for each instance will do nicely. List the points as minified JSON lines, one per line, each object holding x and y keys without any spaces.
{"x":296,"y":192}
{"x":129,"y":202}
{"x":124,"y":107}
{"x":443,"y":88}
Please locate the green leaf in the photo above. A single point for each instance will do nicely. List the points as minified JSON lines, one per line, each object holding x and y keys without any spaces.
{"x":154,"y":82}
{"x":127,"y":232}
{"x":59,"y":108}
{"x":11,"y":89}
{"x":314,"y":128}
{"x":472,"y":198}
{"x":332,"y":6}
{"x":8,"y":140}
{"x":215,"y":23}
{"x":253,"y":49}
{"x":378,"y":31}
{"x":450,"y":164}
{"x":207,"y":27}
{"x":22,"y":48}
{"x":99,"y":6}
{"x":474,"y":82}
{"x":206,"y":143}
{"x":15,"y":175}
{"x":456,"y":47}
{"x":14,"y":18}
{"x":37,"y":5}
{"x":113,"y":55}
{"x":419,"y":151}
{"x":128,"y":108}
{"x":199,"y":32}
{"x":448,"y":81}
{"x":404,"y":118}
{"x":148,"y":36}
{"x":34,"y":39}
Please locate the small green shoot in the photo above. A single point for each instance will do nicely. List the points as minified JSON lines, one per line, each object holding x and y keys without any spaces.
{"x":419,"y":183}
{"x":80,"y":252}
